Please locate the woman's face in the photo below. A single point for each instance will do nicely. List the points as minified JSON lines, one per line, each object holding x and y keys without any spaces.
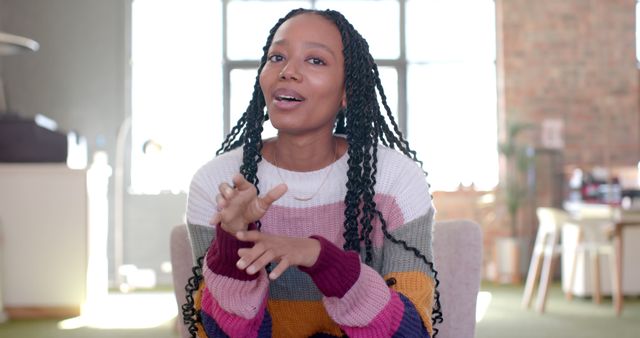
{"x":303,"y":79}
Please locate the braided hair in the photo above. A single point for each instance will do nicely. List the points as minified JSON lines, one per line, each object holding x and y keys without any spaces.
{"x":365,"y":127}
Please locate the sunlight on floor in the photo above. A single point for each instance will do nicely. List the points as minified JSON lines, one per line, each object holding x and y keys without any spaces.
{"x":152,"y":309}
{"x":482,"y":304}
{"x":125,"y":311}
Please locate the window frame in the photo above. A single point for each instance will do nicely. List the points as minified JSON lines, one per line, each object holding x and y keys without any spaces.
{"x":399,"y":64}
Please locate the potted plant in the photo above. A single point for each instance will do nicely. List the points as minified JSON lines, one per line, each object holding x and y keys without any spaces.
{"x":514,"y":191}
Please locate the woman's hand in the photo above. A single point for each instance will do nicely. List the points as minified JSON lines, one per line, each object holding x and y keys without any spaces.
{"x":286,"y":251}
{"x":241,"y":205}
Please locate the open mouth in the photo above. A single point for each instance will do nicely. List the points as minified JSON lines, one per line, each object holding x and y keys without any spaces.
{"x":288,"y":98}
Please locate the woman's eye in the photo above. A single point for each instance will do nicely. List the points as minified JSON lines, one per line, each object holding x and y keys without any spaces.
{"x":275,"y":58}
{"x":315,"y":61}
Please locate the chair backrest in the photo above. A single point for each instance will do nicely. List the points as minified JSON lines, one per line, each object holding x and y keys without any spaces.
{"x":457,"y":249}
{"x":181,"y":263}
{"x":459,"y":274}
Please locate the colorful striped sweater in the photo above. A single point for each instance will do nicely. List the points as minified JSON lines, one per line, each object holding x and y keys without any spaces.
{"x":339,"y":295}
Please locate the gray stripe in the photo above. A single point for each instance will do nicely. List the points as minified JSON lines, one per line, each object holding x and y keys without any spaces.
{"x":417,"y":234}
{"x":294,"y":285}
{"x":200,"y":237}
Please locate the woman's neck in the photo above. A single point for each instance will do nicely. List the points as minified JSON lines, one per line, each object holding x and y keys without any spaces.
{"x":303,"y":153}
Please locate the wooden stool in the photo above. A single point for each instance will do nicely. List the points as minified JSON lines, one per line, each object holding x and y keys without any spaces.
{"x":545,"y":252}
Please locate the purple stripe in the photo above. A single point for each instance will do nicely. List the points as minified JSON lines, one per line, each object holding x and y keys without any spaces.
{"x":223,"y":255}
{"x":335,"y":271}
{"x":411,"y":325}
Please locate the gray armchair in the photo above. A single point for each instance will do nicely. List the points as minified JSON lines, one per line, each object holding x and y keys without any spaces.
{"x":457,"y":247}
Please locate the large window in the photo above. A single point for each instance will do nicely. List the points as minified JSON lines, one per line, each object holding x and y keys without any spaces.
{"x":176,"y":95}
{"x":437,"y":64}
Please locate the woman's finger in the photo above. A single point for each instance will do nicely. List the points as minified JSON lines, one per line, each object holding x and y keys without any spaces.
{"x":241,"y":183}
{"x":226,"y":190}
{"x":216,"y":219}
{"x":272,"y":196}
{"x":249,"y":255}
{"x":260,"y":262}
{"x":221,"y":202}
{"x":282,"y":266}
{"x":250,"y":236}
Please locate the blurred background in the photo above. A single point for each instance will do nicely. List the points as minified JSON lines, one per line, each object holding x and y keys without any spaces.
{"x":107,"y":108}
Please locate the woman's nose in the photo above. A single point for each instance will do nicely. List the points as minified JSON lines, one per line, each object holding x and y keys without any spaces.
{"x":289,"y":72}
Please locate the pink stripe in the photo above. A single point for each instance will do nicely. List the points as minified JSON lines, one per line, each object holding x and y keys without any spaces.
{"x":363,"y":302}
{"x":233,"y":326}
{"x":385,"y":324}
{"x":241,"y":298}
{"x":304,"y":222}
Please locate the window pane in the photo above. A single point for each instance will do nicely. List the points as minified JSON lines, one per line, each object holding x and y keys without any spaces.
{"x":377,"y":21}
{"x":249,"y":22}
{"x":452,"y":123}
{"x":450,"y":30}
{"x":176,"y":92}
{"x":242,"y":81}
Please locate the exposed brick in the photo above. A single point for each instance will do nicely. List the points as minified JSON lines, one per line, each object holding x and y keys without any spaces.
{"x":574,"y":60}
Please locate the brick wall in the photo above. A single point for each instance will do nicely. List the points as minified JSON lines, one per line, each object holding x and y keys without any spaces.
{"x":567,"y":60}
{"x":573,"y":60}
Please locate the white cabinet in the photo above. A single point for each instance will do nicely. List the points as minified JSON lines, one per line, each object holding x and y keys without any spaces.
{"x":43,"y":221}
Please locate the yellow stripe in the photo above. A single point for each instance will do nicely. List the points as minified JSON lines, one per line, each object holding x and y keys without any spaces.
{"x":419,"y":288}
{"x":300,"y":319}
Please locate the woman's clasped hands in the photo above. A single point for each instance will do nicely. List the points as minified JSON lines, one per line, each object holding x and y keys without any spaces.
{"x":239,"y":206}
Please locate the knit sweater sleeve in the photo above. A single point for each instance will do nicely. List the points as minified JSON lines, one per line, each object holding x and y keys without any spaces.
{"x":232,"y":302}
{"x":357,"y":297}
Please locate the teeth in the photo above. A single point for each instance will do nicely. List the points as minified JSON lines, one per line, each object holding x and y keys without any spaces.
{"x":287,"y":98}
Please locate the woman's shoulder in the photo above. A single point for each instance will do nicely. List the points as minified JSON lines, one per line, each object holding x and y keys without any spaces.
{"x":404,"y":183}
{"x":396,"y":164}
{"x":399,"y":175}
{"x":201,"y":204}
{"x":220,"y":165}
{"x":219,"y":169}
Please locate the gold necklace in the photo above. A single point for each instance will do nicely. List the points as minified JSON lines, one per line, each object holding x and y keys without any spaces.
{"x":304,"y":199}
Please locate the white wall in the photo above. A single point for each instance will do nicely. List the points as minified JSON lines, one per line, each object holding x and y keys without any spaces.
{"x":79,"y":78}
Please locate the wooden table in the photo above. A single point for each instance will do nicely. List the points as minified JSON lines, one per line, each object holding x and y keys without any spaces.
{"x":586,"y":213}
{"x":624,"y":221}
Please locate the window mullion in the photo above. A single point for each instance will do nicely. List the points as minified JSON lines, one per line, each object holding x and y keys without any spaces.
{"x":226,"y":74}
{"x":402,"y":73}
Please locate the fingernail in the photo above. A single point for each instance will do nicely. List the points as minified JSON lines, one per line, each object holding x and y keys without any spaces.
{"x":251,"y":270}
{"x":239,"y":235}
{"x":273,"y":275}
{"x":241,"y":264}
{"x":228,"y":190}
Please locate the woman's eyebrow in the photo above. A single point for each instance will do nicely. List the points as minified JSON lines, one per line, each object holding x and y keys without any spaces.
{"x":308,"y":44}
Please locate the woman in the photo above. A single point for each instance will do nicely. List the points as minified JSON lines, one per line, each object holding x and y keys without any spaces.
{"x":340,"y":243}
